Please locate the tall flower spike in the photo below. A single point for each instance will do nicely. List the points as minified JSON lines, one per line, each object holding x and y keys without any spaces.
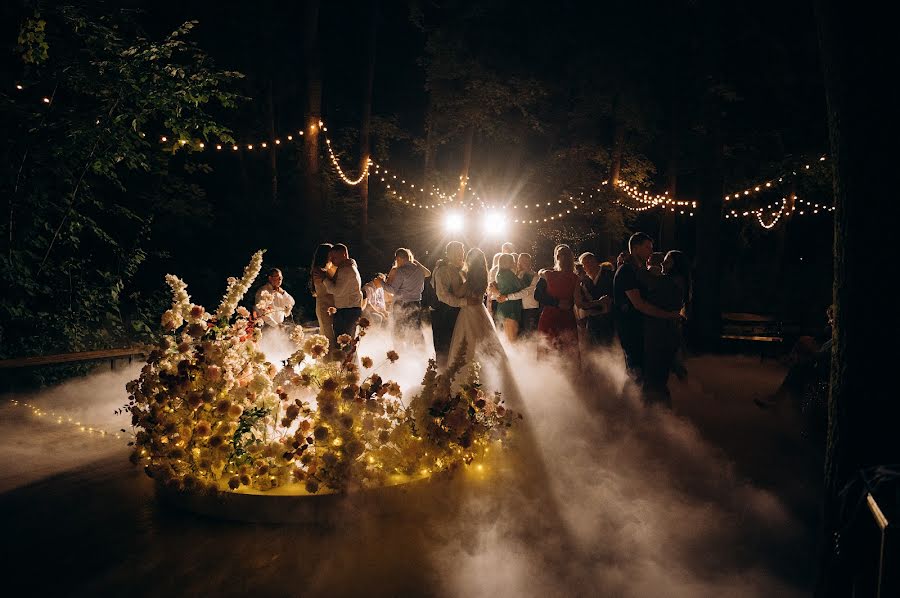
{"x":236,"y":291}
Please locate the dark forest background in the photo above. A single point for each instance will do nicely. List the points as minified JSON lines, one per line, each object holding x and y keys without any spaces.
{"x":532,"y":102}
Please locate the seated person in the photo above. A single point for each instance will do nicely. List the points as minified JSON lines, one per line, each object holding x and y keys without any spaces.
{"x":374,"y":307}
{"x":809,"y":367}
{"x":273,"y":304}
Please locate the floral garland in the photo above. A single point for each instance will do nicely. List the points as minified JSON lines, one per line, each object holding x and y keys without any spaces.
{"x":210,"y":413}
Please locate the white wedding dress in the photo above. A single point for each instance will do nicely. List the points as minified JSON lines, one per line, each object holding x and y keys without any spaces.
{"x":474,"y":333}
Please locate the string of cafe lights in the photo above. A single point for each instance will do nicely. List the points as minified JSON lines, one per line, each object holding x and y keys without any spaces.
{"x":444,"y":198}
{"x":768,"y":184}
{"x":649,"y":201}
{"x":797,"y":206}
{"x":64,"y":420}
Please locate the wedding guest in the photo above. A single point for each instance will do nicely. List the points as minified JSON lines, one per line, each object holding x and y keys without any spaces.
{"x":509,"y":311}
{"x":492,"y":280}
{"x":405,"y":282}
{"x":374,"y":306}
{"x":531,"y":309}
{"x":654,"y":263}
{"x":345,"y":285}
{"x":557,"y":292}
{"x":630,"y":306}
{"x":808,"y":369}
{"x":597,"y":289}
{"x":447,"y":281}
{"x":277,"y":304}
{"x":621,"y":259}
{"x":322,"y":265}
{"x":507,"y":248}
{"x":662,"y":336}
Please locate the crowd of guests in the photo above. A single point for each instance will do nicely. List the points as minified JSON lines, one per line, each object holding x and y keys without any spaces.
{"x":576,"y":305}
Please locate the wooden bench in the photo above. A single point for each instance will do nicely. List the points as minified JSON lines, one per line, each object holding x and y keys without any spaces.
{"x":60,"y":358}
{"x":752,"y":328}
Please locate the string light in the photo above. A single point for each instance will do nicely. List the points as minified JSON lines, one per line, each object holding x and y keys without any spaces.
{"x":647,"y":199}
{"x":340,"y":171}
{"x":767,"y":184}
{"x":62,"y":419}
{"x":783,"y":211}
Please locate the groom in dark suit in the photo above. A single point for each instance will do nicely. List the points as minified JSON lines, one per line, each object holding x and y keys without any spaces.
{"x":447,"y":280}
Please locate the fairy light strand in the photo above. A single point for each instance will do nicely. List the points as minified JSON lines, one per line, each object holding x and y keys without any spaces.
{"x":65,"y":420}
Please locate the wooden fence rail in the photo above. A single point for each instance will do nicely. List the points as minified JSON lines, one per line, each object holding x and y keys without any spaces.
{"x":103,"y":354}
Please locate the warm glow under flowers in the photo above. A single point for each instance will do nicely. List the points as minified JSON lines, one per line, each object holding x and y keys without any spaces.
{"x":211,"y":414}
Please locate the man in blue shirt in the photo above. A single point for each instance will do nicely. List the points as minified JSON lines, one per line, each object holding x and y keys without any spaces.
{"x":405,"y":282}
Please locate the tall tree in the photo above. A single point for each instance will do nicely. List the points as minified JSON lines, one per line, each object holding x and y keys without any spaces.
{"x":94,"y":170}
{"x":857,"y":54}
{"x":365,"y":128}
{"x":312,"y":185}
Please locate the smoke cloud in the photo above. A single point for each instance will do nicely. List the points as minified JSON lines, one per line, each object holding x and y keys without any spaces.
{"x":600,"y":496}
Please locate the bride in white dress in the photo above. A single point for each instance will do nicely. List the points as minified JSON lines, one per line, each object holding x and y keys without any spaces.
{"x":474,"y":331}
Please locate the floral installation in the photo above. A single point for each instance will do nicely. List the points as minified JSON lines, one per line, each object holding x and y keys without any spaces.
{"x":210,"y":413}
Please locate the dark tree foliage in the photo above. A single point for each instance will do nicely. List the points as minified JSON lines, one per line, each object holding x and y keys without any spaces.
{"x":87,"y":178}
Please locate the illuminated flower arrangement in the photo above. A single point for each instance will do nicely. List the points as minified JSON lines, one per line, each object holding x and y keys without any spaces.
{"x":211,"y":414}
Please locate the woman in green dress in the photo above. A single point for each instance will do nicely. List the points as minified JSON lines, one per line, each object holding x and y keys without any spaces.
{"x":509,"y":312}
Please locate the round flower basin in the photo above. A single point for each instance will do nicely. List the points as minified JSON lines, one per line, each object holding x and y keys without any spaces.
{"x":292,"y":504}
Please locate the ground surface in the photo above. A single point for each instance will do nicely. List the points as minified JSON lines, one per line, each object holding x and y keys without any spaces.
{"x":607,"y":498}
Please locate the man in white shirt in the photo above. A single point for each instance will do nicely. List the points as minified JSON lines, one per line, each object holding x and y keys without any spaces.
{"x":278,"y":304}
{"x":447,"y":280}
{"x":346,"y":286}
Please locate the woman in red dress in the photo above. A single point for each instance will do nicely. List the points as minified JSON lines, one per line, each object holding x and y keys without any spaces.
{"x":557,"y":293}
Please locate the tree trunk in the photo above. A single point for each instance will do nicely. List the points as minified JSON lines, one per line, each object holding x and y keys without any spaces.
{"x":467,"y":161}
{"x":312,"y":187}
{"x":706,"y":311}
{"x":364,"y":132}
{"x":667,"y":217}
{"x":856,"y":53}
{"x":618,"y":142}
{"x":430,"y":148}
{"x":273,"y":154}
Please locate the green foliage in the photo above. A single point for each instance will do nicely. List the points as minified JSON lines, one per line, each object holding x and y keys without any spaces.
{"x":85,"y":184}
{"x":245,"y":434}
{"x":32,"y":40}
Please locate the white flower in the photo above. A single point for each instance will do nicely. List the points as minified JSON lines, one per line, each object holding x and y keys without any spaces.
{"x":314,"y":341}
{"x":266,"y":302}
{"x":172,"y":320}
{"x":260,"y":383}
{"x":297,"y":335}
{"x":237,"y":288}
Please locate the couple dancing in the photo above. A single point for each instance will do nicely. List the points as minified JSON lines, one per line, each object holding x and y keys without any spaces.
{"x":461,"y":324}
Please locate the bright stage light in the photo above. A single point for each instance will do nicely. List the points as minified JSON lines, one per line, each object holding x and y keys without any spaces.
{"x":454,"y":222}
{"x":495,"y":223}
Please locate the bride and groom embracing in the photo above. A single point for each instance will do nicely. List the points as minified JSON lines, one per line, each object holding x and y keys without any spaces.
{"x":460,"y":322}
